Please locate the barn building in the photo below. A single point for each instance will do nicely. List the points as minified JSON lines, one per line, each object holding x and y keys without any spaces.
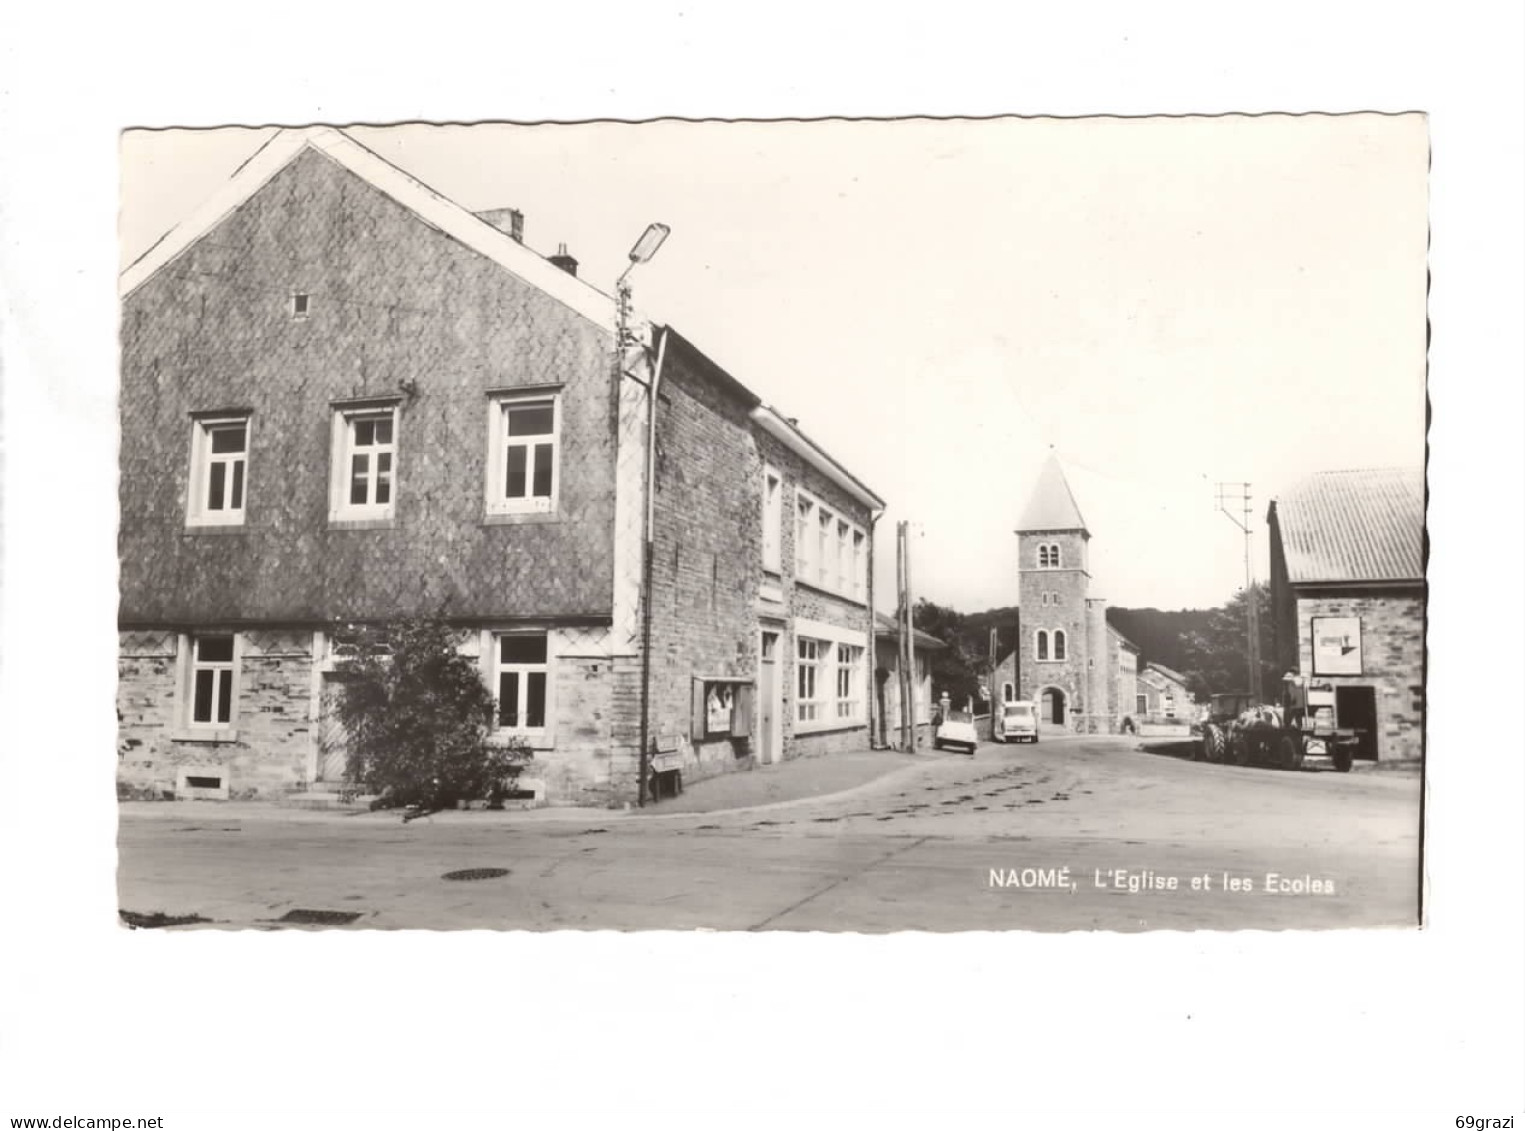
{"x":1348,"y":599}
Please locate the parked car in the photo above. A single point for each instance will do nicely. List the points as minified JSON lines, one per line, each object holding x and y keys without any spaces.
{"x":956,"y":729}
{"x":1015,"y":722}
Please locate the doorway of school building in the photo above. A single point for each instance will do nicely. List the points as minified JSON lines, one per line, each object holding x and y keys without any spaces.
{"x":333,"y":738}
{"x":1357,"y":707}
{"x":770,"y":701}
{"x":1052,"y":707}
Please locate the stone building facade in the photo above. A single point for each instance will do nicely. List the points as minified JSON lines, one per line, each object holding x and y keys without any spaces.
{"x":1348,"y":598}
{"x":1163,"y":697}
{"x":345,"y":399}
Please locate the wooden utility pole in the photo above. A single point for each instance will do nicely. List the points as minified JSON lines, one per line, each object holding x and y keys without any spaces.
{"x":906,"y":626}
{"x":1251,"y":590}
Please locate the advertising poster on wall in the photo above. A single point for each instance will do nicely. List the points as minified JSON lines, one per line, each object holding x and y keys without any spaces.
{"x":1336,"y":645}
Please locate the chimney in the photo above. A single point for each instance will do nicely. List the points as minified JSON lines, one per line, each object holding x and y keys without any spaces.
{"x":564,"y":261}
{"x":507,"y":220}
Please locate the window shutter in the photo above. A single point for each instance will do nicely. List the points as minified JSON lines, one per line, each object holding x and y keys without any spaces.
{"x":741,"y":711}
{"x":697,"y":715}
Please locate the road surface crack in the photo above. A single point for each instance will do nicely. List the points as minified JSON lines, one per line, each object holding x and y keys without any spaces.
{"x":839,"y":881}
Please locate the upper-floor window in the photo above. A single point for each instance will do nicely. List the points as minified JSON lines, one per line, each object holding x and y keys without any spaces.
{"x":1040,"y":644}
{"x":804,"y":542}
{"x":364,"y":463}
{"x":831,"y":552}
{"x":860,"y":565}
{"x":219,"y":471}
{"x":773,"y":520}
{"x":1048,"y":555}
{"x":1058,"y":643}
{"x":523,"y":453}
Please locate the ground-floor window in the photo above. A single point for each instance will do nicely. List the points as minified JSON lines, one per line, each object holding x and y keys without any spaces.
{"x":1143,"y":704}
{"x":808,"y":704}
{"x":522,"y":674}
{"x":213,"y":676}
{"x":849,"y":681}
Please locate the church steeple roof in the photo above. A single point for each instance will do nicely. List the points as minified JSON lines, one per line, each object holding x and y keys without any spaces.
{"x":1052,"y":504}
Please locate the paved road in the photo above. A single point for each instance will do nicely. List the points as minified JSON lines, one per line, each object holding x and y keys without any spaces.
{"x":955,"y":844}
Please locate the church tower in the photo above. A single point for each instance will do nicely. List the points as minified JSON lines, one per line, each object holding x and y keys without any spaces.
{"x":1057,"y":615}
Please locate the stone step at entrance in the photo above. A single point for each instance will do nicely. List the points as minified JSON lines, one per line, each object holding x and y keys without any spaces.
{"x":328,"y":795}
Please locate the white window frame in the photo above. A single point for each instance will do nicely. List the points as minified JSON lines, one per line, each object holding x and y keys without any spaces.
{"x":1049,"y":556}
{"x":831,"y":550}
{"x":198,"y":512}
{"x":498,"y":669}
{"x":499,"y":407}
{"x":1008,"y":693}
{"x":773,"y":520}
{"x":860,"y":565}
{"x":1141,"y":703}
{"x":1040,"y":645}
{"x":826,"y":558}
{"x":844,"y":556}
{"x":849,"y":671}
{"x":229,"y":669}
{"x":346,"y":417}
{"x":808,"y":703}
{"x":804,"y":530}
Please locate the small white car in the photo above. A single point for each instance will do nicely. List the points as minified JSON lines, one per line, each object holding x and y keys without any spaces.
{"x":956,"y":729}
{"x":1016,"y":722}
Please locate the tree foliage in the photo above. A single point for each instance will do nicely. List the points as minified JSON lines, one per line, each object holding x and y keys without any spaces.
{"x":419,"y":717}
{"x":1214,"y":658}
{"x":959,"y":670}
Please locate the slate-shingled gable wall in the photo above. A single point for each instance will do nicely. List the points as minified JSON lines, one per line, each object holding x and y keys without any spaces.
{"x":392,"y":301}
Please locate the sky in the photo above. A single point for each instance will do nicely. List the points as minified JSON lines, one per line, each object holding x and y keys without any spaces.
{"x":1167,"y":303}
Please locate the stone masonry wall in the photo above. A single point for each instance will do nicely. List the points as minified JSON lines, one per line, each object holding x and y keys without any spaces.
{"x":1069,"y":586}
{"x":271,"y":733}
{"x":1392,"y":654}
{"x":706,"y":550}
{"x":802,"y":600}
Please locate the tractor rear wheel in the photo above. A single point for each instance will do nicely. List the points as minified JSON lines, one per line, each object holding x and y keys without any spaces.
{"x":1212,"y":742}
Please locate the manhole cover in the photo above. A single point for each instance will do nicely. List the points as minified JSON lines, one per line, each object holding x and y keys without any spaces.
{"x":138,"y":921}
{"x":319,"y":918}
{"x":475,"y":874}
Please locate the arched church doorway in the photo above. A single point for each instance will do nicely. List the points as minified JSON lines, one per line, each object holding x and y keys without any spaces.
{"x":1052,"y":707}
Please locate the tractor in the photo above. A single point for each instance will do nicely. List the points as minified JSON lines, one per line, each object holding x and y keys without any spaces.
{"x":1240,"y":731}
{"x":1222,"y":712}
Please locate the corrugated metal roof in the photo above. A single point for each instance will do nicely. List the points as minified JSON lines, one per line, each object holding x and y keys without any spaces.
{"x":1360,"y":525}
{"x":1052,"y":504}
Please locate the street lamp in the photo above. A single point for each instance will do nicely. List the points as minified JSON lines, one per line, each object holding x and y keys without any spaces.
{"x":645,"y":247}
